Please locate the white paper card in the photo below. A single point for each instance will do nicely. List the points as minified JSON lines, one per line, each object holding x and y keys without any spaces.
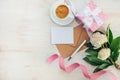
{"x":62,"y":35}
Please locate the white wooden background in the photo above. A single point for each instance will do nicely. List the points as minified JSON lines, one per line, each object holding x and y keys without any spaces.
{"x":25,"y":40}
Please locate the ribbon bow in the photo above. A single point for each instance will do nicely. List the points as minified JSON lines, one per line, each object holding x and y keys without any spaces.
{"x":92,"y":16}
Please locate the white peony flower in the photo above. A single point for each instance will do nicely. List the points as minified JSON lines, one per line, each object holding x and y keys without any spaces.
{"x":98,"y":39}
{"x":104,"y":53}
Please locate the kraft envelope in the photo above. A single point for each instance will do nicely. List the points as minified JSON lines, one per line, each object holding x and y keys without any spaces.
{"x":80,"y":35}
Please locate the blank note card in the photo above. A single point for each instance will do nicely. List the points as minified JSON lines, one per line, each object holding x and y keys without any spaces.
{"x":62,"y":35}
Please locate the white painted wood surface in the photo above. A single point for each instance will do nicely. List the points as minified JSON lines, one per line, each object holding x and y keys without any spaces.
{"x":25,"y":40}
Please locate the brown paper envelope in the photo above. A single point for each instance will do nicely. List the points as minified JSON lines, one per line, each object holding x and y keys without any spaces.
{"x":80,"y":34}
{"x":77,"y":32}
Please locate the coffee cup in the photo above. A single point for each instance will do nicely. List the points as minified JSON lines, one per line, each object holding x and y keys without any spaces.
{"x":62,"y":11}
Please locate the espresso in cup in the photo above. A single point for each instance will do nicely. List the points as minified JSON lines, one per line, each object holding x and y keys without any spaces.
{"x":62,"y":11}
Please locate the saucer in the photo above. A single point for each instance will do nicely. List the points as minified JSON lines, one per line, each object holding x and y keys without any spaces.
{"x":55,"y":19}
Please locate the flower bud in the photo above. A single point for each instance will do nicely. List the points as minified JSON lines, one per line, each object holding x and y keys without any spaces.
{"x":104,"y":53}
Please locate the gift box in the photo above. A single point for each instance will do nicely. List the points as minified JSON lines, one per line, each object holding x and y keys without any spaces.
{"x":92,"y":16}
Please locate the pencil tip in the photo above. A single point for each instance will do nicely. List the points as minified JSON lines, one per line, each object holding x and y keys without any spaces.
{"x":69,"y":58}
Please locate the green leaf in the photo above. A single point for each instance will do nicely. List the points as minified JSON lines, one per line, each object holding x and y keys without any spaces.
{"x":101,"y":67}
{"x":91,"y":51}
{"x":89,"y":45}
{"x":115,"y":54}
{"x":115,"y":47}
{"x":109,"y":35}
{"x":87,"y":60}
{"x":93,"y":60}
{"x":115,"y":44}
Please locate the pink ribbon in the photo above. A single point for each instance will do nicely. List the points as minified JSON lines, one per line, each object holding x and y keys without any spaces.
{"x":73,"y":66}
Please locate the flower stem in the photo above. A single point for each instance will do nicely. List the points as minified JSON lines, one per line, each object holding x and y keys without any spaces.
{"x":103,"y":46}
{"x":106,"y":45}
{"x":112,"y":62}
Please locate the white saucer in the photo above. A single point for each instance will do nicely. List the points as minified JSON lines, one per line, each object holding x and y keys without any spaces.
{"x":65,"y":21}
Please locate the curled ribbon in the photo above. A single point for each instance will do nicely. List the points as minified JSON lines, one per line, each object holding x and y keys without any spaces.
{"x":73,"y":66}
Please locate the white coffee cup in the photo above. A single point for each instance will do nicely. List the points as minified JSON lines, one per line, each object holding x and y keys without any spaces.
{"x":64,"y":20}
{"x":62,"y":11}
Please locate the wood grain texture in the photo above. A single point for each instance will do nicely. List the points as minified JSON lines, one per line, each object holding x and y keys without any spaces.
{"x":25,"y":40}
